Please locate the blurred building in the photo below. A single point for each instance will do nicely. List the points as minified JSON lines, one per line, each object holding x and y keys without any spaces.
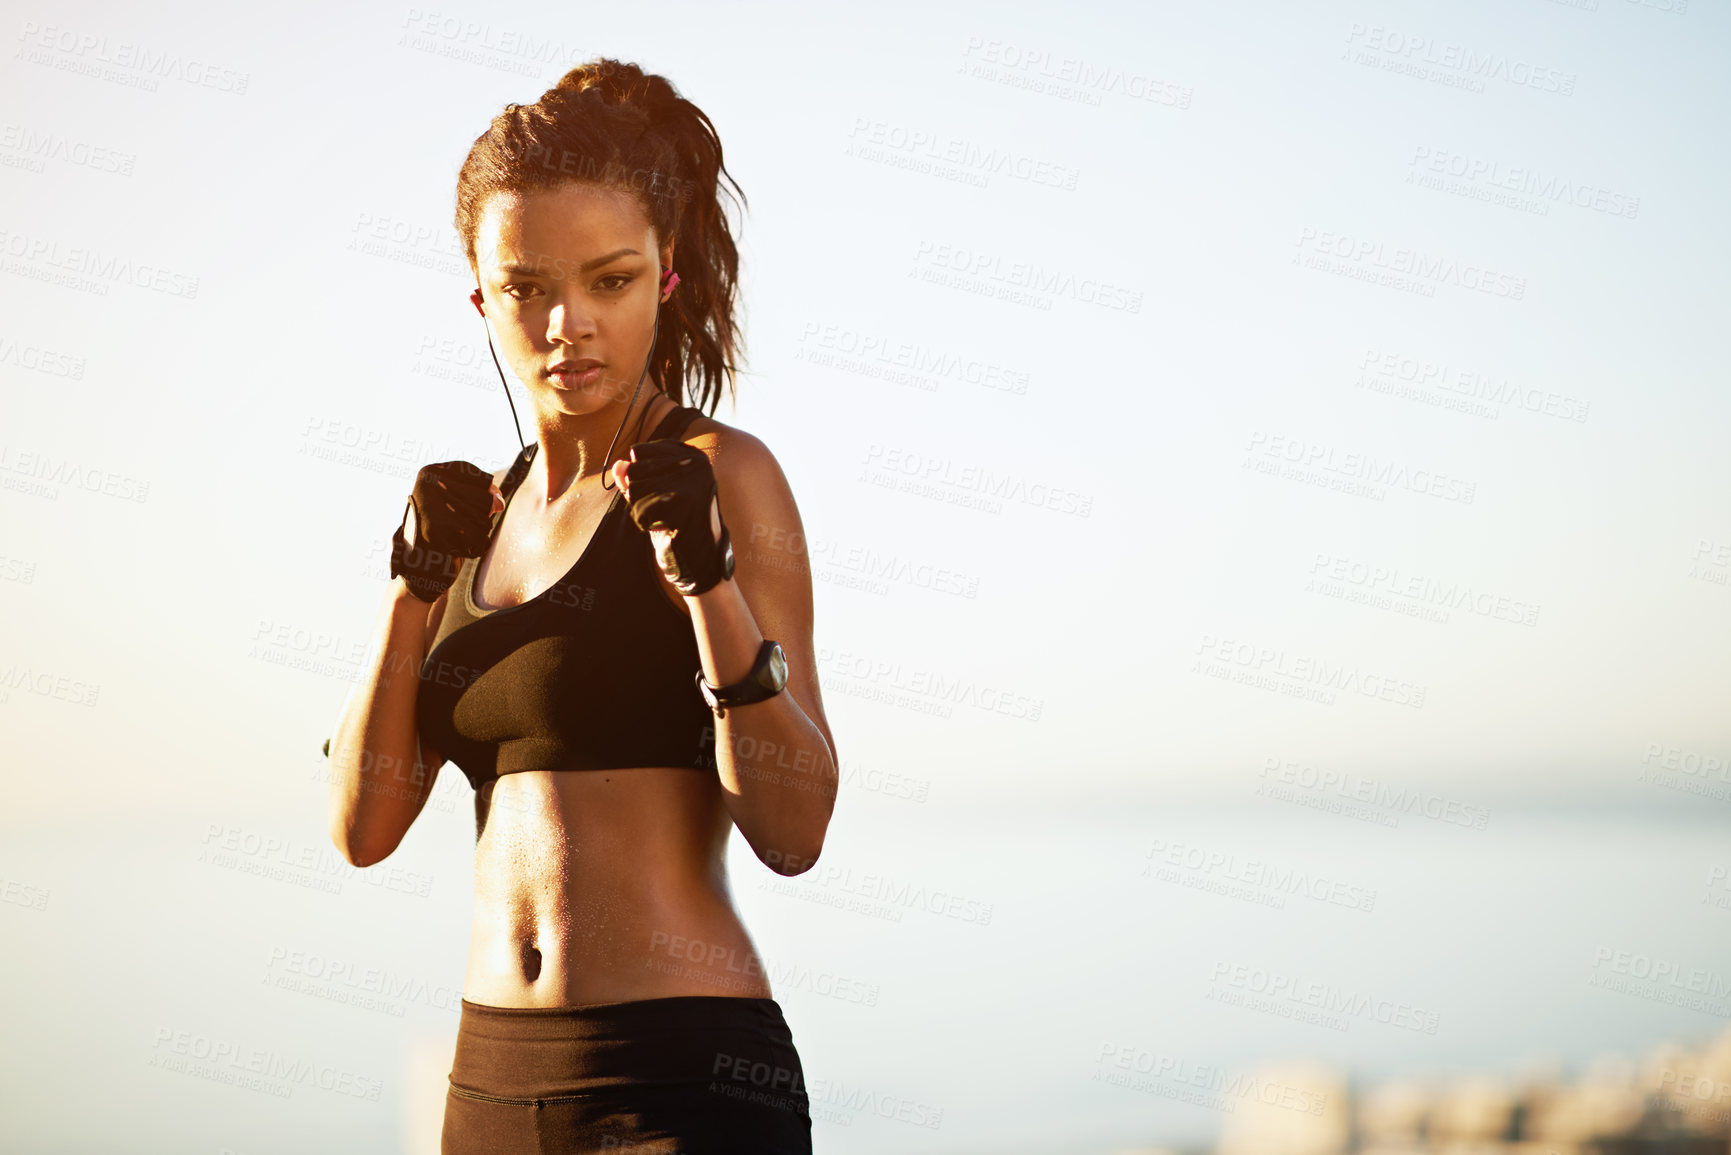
{"x":1674,"y":1101}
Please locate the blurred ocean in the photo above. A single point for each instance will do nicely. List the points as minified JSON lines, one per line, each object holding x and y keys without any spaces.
{"x":957,"y":980}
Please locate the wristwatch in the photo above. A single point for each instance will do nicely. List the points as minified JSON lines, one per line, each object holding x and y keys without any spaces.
{"x":768,"y":677}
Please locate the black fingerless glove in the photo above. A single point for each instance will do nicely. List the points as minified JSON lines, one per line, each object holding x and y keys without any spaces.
{"x":453,"y":506}
{"x":672,"y":488}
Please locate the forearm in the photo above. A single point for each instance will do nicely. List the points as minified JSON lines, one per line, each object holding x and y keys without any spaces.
{"x":377,"y":786}
{"x":777,"y":772}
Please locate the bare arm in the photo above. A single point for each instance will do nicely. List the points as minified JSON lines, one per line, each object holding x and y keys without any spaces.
{"x":381,"y":776}
{"x":776,"y":758}
{"x":381,"y":772}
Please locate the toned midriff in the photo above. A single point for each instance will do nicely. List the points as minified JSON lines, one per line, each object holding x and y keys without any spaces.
{"x":605,"y":886}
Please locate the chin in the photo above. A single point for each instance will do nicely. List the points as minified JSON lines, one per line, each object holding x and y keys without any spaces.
{"x":578,"y":402}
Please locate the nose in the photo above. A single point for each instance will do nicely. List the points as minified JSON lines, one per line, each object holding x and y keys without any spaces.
{"x":569,"y":320}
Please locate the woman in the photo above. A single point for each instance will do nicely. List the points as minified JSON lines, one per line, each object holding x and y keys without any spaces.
{"x":599,"y":662}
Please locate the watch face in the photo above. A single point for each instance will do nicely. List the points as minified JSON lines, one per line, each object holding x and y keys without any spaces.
{"x":776,"y":675}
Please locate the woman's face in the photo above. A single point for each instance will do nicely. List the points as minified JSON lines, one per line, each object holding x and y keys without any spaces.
{"x":571,"y":274}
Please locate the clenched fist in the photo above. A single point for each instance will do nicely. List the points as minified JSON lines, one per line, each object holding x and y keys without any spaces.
{"x":671,"y":489}
{"x":447,"y":519}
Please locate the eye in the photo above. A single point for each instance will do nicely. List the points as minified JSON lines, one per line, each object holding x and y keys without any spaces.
{"x":512,"y":288}
{"x":623,"y":279}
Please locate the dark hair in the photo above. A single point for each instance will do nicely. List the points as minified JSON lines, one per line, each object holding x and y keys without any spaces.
{"x":611,"y":124}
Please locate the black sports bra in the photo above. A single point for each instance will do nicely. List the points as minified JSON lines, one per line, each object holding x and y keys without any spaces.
{"x":594,"y":673}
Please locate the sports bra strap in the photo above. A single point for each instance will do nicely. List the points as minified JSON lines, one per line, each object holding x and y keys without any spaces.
{"x":677,"y":421}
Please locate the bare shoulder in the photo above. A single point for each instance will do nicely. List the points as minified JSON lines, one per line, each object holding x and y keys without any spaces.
{"x":740,"y":458}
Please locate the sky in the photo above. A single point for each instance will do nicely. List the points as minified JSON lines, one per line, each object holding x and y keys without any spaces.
{"x":1198,"y":415}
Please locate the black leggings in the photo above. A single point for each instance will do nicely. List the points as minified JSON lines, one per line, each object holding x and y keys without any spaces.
{"x":688,"y":1075}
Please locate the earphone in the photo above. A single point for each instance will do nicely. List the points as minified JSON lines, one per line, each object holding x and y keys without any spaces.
{"x":669,"y":281}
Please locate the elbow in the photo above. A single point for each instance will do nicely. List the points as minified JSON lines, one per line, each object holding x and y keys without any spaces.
{"x":791,"y":862}
{"x":354,"y":851}
{"x":796,"y":851}
{"x":350,"y":852}
{"x":361,"y":859}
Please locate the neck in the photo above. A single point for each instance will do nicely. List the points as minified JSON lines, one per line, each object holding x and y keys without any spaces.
{"x":573,"y":453}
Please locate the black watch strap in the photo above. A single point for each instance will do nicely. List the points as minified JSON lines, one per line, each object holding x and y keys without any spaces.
{"x":768,"y":677}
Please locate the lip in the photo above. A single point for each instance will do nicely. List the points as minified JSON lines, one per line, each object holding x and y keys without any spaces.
{"x":570,"y":374}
